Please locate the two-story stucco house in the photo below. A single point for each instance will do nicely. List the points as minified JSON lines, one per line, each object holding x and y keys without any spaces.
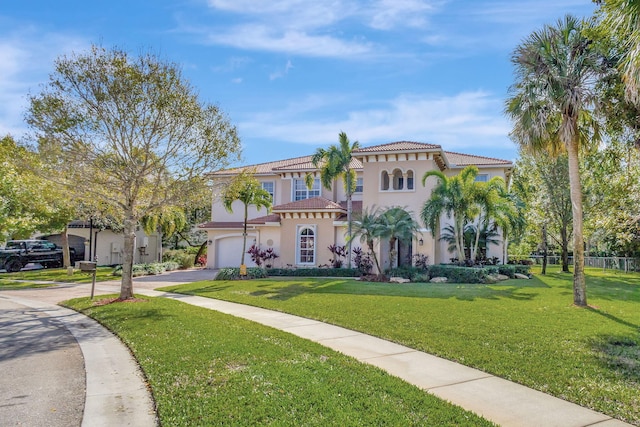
{"x":304,"y":222}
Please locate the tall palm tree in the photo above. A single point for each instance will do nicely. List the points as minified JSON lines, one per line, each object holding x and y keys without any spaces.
{"x":366,"y":226}
{"x":550,"y":105}
{"x":454,"y":197}
{"x":247,"y":189}
{"x":396,"y":224}
{"x":335,"y":162}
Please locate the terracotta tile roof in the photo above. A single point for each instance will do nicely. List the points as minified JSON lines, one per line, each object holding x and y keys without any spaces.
{"x":356,"y":205}
{"x":356,"y":208}
{"x":221,"y":224}
{"x":399,"y":146}
{"x":265,"y":219}
{"x":266,"y":168}
{"x":313,"y":204}
{"x":460,"y":159}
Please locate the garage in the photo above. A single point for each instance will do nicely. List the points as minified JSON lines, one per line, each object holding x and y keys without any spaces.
{"x":229,"y":250}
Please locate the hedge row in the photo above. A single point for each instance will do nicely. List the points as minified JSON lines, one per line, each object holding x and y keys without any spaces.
{"x":454,"y":273}
{"x":314,"y":272}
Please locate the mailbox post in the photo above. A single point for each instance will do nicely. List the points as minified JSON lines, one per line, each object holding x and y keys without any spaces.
{"x":90,"y":267}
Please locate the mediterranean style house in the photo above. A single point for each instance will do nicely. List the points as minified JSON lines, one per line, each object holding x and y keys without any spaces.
{"x":304,"y":222}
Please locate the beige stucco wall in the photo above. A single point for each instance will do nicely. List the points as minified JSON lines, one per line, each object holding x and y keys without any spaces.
{"x":324,"y":231}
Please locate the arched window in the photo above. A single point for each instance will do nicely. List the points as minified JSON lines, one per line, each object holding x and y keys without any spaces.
{"x":410,"y":180}
{"x":384,"y":181}
{"x":306,"y":245}
{"x":398,"y":180}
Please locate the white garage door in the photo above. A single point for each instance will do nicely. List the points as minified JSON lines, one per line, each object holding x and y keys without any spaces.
{"x":229,"y":251}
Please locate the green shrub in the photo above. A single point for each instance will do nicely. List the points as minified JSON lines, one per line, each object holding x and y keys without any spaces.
{"x":170,"y":265}
{"x":186,"y":261}
{"x":456,"y":274}
{"x":421,"y":278}
{"x":406,"y":272}
{"x":233,"y":273}
{"x":314,"y":272}
{"x":507,"y":270}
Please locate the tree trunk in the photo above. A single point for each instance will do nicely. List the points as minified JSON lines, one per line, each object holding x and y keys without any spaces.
{"x":244,"y":233}
{"x":564,"y":237}
{"x":544,"y":249}
{"x":375,"y":257}
{"x":459,"y":237}
{"x":126,"y":287}
{"x":66,"y":257}
{"x":579,"y":284}
{"x":349,"y":207}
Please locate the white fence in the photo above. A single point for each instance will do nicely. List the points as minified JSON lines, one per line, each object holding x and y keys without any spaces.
{"x":611,"y":263}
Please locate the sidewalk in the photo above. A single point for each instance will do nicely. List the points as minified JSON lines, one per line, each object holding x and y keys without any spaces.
{"x":498,"y":400}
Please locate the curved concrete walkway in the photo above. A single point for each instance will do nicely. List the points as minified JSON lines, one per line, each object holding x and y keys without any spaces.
{"x":498,"y":400}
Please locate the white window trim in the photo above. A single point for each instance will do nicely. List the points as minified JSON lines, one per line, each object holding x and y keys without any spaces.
{"x":293,"y":189}
{"x":299,"y":229}
{"x":273,"y":195}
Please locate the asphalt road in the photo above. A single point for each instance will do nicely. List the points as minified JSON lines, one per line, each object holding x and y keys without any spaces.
{"x":42,"y":375}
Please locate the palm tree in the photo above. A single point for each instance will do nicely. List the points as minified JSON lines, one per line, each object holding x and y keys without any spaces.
{"x":491,"y":198}
{"x":336,"y":163}
{"x":622,"y":19}
{"x":366,"y":226}
{"x":455,"y":197}
{"x":247,"y":189}
{"x":550,"y":105}
{"x":396,"y":224}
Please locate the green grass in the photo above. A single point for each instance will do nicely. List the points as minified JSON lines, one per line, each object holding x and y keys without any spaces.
{"x":53,"y":275}
{"x":210,"y":369}
{"x":525,"y":331}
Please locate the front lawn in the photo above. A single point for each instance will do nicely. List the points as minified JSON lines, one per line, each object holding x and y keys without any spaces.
{"x":210,"y":369}
{"x":52,"y":275}
{"x":526,"y":331}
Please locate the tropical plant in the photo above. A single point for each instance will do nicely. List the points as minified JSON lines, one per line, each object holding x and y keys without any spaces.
{"x":335,"y":162}
{"x":396,"y":223}
{"x":248,"y":190}
{"x":454,"y":197}
{"x":551,"y":106}
{"x":621,"y":19}
{"x":367,"y":228}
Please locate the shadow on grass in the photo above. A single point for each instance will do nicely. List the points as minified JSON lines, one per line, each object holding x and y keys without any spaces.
{"x":620,"y":354}
{"x":610,"y":286}
{"x":514,"y":289}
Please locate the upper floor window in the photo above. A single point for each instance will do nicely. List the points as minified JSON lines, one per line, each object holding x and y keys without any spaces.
{"x":397,"y":181}
{"x":384,"y":181}
{"x":359,"y":185}
{"x":301,"y":192}
{"x":269,"y":186}
{"x":483,"y":177}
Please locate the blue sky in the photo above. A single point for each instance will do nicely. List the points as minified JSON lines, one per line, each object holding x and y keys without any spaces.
{"x":292,"y":74}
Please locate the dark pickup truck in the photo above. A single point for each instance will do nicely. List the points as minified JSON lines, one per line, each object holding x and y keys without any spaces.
{"x":18,"y":253}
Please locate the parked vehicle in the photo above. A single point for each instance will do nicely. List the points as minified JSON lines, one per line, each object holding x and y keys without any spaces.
{"x":18,"y":253}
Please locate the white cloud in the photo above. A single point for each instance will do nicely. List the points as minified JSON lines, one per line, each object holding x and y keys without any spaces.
{"x":388,"y":14}
{"x":460,"y":122}
{"x":281,"y":73}
{"x":26,"y":60}
{"x":264,"y":38}
{"x":337,"y":28}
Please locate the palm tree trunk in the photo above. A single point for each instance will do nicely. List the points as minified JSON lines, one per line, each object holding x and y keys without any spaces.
{"x":349,"y":207}
{"x":579,"y":284}
{"x":244,"y":233}
{"x":375,"y":257}
{"x":459,"y":236}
